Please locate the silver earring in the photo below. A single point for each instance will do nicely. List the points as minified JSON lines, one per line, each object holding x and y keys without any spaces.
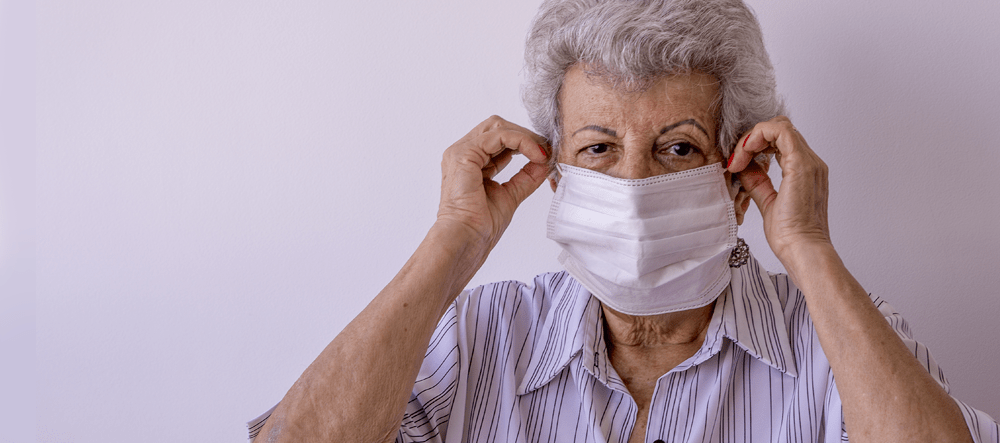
{"x":740,"y":254}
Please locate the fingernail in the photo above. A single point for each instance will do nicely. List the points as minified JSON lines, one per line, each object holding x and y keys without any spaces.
{"x":730,"y":159}
{"x":745,"y":140}
{"x":540,"y":148}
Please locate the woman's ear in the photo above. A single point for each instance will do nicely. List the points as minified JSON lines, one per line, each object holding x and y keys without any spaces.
{"x":741,"y":198}
{"x":554,"y":179}
{"x":740,"y":204}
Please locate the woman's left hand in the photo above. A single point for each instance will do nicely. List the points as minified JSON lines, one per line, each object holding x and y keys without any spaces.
{"x":795,"y":215}
{"x":887,"y":394}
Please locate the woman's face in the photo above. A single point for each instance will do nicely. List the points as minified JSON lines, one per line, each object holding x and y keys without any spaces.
{"x":666,"y":128}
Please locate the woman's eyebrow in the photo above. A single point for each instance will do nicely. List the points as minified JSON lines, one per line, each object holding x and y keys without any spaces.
{"x":602,"y":129}
{"x":689,"y":121}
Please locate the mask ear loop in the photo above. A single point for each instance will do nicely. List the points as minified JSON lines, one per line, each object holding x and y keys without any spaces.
{"x":556,"y":173}
{"x":734,"y":184}
{"x":734,"y":179}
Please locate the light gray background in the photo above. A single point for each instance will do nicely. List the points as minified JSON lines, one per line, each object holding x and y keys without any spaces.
{"x":17,"y":222}
{"x":222,"y":186}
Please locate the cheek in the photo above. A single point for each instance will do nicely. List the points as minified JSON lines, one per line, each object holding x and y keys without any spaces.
{"x":561,"y":155}
{"x":565,"y":155}
{"x":714,"y":157}
{"x":677,"y":164}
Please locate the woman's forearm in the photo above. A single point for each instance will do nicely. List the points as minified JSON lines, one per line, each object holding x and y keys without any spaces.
{"x":357,"y":389}
{"x":886,"y":394}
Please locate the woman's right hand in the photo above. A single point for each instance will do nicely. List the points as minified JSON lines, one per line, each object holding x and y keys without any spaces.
{"x":471,"y":201}
{"x":372,"y":363}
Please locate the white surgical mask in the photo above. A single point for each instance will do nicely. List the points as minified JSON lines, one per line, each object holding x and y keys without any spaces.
{"x":647,"y":246}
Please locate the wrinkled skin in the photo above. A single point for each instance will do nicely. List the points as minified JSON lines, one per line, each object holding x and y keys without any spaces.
{"x":358,"y":387}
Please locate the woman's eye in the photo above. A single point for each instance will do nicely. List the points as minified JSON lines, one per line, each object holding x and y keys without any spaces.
{"x":681,"y":149}
{"x":599,"y":148}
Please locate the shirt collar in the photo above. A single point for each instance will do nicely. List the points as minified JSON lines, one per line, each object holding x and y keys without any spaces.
{"x":748,"y":313}
{"x":572,"y":325}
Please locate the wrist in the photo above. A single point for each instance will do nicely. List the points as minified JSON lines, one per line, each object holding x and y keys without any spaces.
{"x":458,"y":250}
{"x":457,"y":238}
{"x":805,"y":258}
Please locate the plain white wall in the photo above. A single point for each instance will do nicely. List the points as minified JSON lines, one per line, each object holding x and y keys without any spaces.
{"x":17,"y":223}
{"x":222,"y":186}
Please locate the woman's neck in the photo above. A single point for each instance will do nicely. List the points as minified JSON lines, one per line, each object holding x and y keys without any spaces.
{"x":683,"y":328}
{"x":643,"y":348}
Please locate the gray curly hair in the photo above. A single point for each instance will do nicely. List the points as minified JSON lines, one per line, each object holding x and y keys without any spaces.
{"x":631,"y":43}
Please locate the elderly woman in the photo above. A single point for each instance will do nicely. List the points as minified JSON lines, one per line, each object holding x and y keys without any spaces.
{"x":657,"y":120}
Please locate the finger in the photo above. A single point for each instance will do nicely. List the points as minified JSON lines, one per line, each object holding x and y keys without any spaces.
{"x":480,"y":152}
{"x":496,"y":141}
{"x":497,"y":163}
{"x":526,"y":181}
{"x":775,"y":136}
{"x":495,"y":122}
{"x":758,"y":184}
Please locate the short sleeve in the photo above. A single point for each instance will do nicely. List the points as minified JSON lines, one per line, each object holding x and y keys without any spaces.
{"x":984,"y":428}
{"x":253,"y":426}
{"x":427,"y":412}
{"x":835,"y":430}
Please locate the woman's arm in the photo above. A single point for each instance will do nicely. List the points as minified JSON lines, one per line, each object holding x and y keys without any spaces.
{"x":886,"y":394}
{"x":358,"y":387}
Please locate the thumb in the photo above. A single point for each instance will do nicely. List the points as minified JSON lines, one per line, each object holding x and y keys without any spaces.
{"x":526,"y":181}
{"x":757,"y":183}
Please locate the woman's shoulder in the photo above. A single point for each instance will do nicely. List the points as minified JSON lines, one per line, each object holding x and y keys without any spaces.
{"x":512,"y":299}
{"x":503,"y":322}
{"x":793,"y":303}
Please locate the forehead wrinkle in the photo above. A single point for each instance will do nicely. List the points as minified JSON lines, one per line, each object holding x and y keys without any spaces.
{"x":639,"y":106}
{"x":597,"y":128}
{"x":689,"y":121}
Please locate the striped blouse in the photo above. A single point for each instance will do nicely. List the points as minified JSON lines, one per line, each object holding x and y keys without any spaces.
{"x":512,"y":362}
